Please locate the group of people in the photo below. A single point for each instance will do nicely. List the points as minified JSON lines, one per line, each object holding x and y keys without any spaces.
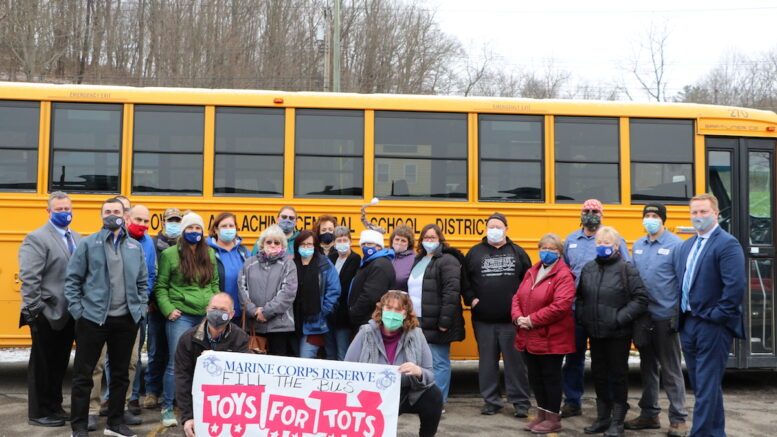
{"x":306,"y":293}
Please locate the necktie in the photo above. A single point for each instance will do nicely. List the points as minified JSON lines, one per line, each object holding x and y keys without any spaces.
{"x":689,"y":275}
{"x":71,"y":247}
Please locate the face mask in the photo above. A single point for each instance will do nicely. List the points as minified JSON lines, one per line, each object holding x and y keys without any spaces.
{"x":342,"y":248}
{"x":192,"y":237}
{"x":703,"y":223}
{"x":173,"y":229}
{"x":217,"y":318}
{"x":547,"y":257}
{"x":306,"y":252}
{"x":591,"y":221}
{"x":430,"y":246}
{"x":369,"y":251}
{"x":652,"y":225}
{"x":273,"y":250}
{"x":112,"y":222}
{"x":495,"y":235}
{"x":327,"y":238}
{"x":604,"y":251}
{"x":136,"y":231}
{"x":61,"y":219}
{"x":287,"y":225}
{"x":399,"y":247}
{"x":392,"y":320}
{"x":227,"y":235}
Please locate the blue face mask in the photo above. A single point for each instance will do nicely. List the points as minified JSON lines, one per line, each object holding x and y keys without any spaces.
{"x":342,"y":247}
{"x":604,"y":251}
{"x":703,"y":223}
{"x":306,"y":252}
{"x":652,"y":225}
{"x":430,"y":246}
{"x":227,"y":235}
{"x":369,"y":251}
{"x":173,"y":229}
{"x":286,"y":225}
{"x":61,"y":219}
{"x":547,"y":257}
{"x":192,"y":237}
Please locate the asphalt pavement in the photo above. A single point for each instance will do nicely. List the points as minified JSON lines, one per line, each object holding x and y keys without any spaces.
{"x":750,"y":399}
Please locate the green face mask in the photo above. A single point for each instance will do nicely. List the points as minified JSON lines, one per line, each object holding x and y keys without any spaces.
{"x":392,"y":320}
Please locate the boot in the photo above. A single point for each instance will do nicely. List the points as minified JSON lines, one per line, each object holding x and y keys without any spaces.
{"x":536,"y":421}
{"x":552,"y":423}
{"x":616,"y":426}
{"x":603,"y":412}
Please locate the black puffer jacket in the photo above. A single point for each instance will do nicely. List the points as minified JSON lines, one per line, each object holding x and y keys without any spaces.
{"x":340,"y":318}
{"x":373,"y":279}
{"x":441,"y":298}
{"x":610,"y":295}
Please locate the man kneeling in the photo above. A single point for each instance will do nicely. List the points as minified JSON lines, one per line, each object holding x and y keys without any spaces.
{"x":214,"y":333}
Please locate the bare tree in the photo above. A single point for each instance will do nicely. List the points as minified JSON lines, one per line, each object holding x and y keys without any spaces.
{"x":545,"y":84}
{"x":649,"y":62}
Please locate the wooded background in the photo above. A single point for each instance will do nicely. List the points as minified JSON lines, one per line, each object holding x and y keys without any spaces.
{"x":387,"y":47}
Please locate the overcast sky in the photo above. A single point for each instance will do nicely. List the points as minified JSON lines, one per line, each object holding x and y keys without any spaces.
{"x":595,"y":39}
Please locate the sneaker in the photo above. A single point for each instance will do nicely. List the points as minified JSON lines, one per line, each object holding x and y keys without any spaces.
{"x":490,"y":410}
{"x":571,"y":410}
{"x":91,"y":422}
{"x":119,"y":431}
{"x":521,"y":412}
{"x":80,"y":433}
{"x":642,"y":422}
{"x":134,"y":407}
{"x":131,"y":419}
{"x":168,"y":418}
{"x":151,"y":402}
{"x":679,"y":429}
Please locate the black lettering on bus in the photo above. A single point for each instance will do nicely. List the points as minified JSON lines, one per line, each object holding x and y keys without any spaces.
{"x":468,"y":225}
{"x":210,"y":222}
{"x":156,"y":220}
{"x":265,"y":222}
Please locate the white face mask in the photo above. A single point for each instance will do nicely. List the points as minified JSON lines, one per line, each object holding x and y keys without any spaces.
{"x":495,"y":235}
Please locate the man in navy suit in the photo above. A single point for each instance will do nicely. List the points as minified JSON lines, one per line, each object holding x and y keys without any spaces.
{"x":710,"y":270}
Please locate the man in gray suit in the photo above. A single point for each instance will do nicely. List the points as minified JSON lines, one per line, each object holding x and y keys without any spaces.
{"x":43,"y":258}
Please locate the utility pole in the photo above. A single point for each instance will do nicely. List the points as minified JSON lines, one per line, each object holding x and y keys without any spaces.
{"x":336,"y":49}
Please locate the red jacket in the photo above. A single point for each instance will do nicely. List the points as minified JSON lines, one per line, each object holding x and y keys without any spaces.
{"x":549,"y":306}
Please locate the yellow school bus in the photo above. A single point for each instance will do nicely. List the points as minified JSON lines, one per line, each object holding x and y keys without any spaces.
{"x":445,"y":160}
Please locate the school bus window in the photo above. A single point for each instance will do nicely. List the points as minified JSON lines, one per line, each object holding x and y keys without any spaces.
{"x":510,"y":157}
{"x":19,"y":145}
{"x":329,"y":151}
{"x":661,"y":159}
{"x":435,"y":142}
{"x":85,"y":147}
{"x":249,"y":151}
{"x":168,"y":144}
{"x":587,"y":158}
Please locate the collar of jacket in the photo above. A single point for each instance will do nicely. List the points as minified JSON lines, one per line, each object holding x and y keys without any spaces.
{"x":200,"y":334}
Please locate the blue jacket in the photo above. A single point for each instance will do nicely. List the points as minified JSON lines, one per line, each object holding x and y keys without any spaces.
{"x":719,"y":280}
{"x":87,"y":284}
{"x":230,"y":263}
{"x":149,"y":250}
{"x":329,"y":286}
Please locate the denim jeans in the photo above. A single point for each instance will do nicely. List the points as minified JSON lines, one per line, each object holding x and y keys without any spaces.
{"x":157,"y":353}
{"x":573,"y":370}
{"x":175,"y":329}
{"x":307,"y":350}
{"x":139,"y":368}
{"x":337,"y":342}
{"x":441,"y":364}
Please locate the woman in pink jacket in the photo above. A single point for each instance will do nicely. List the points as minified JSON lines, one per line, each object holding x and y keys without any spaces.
{"x":542,"y":314}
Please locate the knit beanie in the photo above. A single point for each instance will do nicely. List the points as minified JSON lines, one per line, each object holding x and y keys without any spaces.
{"x":192,"y":219}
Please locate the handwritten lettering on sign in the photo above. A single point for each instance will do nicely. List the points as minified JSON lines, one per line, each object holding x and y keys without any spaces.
{"x":261,"y":395}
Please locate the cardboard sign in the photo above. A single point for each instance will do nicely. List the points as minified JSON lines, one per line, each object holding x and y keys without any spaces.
{"x":237,"y":394}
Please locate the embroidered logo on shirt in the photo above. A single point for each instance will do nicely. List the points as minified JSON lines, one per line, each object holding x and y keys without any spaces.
{"x":664,"y":251}
{"x":637,"y":251}
{"x":573,"y":245}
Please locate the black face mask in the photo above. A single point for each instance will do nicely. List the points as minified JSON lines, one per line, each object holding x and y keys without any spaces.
{"x":112,"y":222}
{"x":217,"y":318}
{"x":327,"y":237}
{"x":591,"y":221}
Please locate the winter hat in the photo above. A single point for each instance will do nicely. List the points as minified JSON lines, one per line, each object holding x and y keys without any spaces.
{"x":498,"y":216}
{"x":370,"y":236}
{"x":593,"y":204}
{"x":656,"y":208}
{"x":192,"y":219}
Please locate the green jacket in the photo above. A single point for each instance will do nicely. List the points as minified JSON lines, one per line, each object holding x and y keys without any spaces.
{"x":174,"y":293}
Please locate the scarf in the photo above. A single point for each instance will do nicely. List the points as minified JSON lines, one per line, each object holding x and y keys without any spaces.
{"x":308,"y":291}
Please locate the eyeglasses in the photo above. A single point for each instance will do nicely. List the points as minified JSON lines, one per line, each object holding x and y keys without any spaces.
{"x":273,"y":242}
{"x":288,"y":217}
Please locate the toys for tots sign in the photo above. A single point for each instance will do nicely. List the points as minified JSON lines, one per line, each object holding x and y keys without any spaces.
{"x":261,"y":395}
